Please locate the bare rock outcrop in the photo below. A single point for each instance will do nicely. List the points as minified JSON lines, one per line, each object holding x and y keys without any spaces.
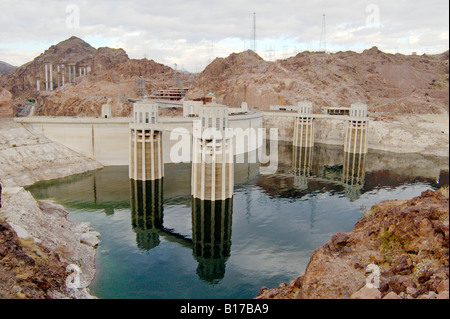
{"x":28,"y":269}
{"x":406,"y":240}
{"x":37,"y":246}
{"x":386,"y":82}
{"x":22,"y":82}
{"x":114,"y":78}
{"x":27,"y":157}
{"x":37,"y":241}
{"x":106,"y":59}
{"x":6,"y":103}
{"x":6,"y":68}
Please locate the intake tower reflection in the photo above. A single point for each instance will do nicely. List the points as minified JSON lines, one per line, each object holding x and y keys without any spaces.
{"x":211,"y":236}
{"x":147,"y":212}
{"x":211,"y":227}
{"x":349,"y":172}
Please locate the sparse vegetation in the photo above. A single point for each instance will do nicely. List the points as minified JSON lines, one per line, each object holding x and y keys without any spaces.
{"x":391,"y":243}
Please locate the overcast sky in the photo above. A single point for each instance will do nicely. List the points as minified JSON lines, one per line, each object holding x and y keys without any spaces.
{"x":191,"y":33}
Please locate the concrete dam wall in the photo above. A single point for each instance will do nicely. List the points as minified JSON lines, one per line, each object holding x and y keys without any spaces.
{"x":108,"y":139}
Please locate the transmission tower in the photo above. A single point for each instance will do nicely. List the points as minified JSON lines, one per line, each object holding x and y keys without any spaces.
{"x":210,"y":51}
{"x":123,"y":96}
{"x":254,"y":33}
{"x":323,"y":36}
{"x":141,"y":91}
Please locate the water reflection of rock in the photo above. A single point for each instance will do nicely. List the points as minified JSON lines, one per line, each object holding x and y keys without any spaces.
{"x":211,"y":236}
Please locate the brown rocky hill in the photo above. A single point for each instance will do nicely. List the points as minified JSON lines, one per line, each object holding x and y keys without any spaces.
{"x":22,"y":82}
{"x":114,"y":78}
{"x":28,"y":270}
{"x":386,"y":82}
{"x":6,"y":68}
{"x":5,"y":103}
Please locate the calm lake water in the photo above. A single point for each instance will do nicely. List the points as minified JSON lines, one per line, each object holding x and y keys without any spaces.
{"x":160,"y":243}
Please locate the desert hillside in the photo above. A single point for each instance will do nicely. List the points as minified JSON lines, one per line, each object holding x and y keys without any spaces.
{"x":6,"y":68}
{"x":113,"y":78}
{"x":386,"y":82}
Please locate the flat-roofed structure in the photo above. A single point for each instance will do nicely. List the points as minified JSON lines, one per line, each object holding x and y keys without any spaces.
{"x":172,"y":94}
{"x":336,"y":110}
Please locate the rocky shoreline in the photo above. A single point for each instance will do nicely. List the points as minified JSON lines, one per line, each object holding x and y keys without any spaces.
{"x":398,"y":250}
{"x":43,"y":254}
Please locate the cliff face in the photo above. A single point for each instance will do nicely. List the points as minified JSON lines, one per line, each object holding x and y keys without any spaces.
{"x":386,"y":82}
{"x":240,"y":77}
{"x":407,"y":240}
{"x":106,"y":59}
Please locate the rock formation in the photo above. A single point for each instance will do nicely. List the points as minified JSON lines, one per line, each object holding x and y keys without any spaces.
{"x":28,"y":269}
{"x":6,"y":103}
{"x":114,"y":78}
{"x":6,"y":68}
{"x":386,"y":82}
{"x":406,"y":240}
{"x":22,"y":82}
{"x":27,"y":157}
{"x":37,"y":241}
